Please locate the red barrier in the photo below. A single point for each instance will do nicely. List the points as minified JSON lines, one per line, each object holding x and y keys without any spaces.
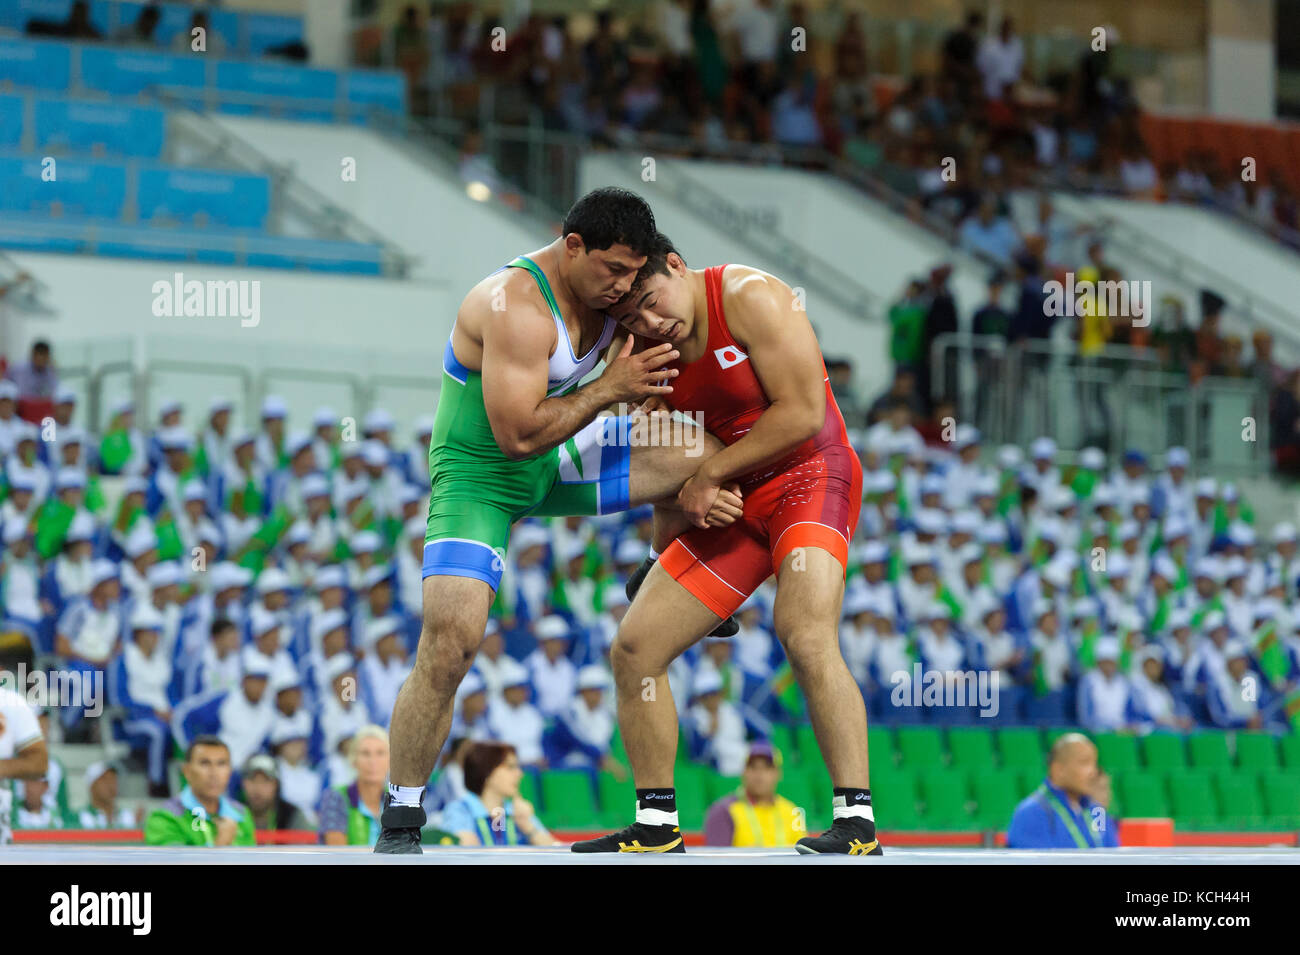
{"x":908,"y":840}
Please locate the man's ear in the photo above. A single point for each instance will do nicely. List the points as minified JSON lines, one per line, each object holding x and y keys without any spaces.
{"x":573,"y":243}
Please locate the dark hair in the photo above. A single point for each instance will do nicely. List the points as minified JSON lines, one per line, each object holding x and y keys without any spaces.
{"x":656,"y":262}
{"x":481,"y":761}
{"x":205,"y":739}
{"x":40,"y":348}
{"x":611,"y":216}
{"x":221,"y":625}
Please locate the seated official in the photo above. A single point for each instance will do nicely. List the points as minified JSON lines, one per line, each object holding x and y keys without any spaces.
{"x":202,"y":815}
{"x":349,"y":814}
{"x":755,"y":815}
{"x":1070,"y":809}
{"x":492,"y":813}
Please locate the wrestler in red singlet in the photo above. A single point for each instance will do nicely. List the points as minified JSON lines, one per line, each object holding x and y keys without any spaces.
{"x":809,"y":498}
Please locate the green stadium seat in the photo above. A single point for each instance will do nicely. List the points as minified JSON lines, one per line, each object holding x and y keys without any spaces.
{"x":894,"y":802}
{"x":693,"y":782}
{"x":1282,"y":799}
{"x":1021,"y":748}
{"x":569,"y":800}
{"x":1142,"y":795}
{"x":971,"y":748}
{"x":528,"y":790}
{"x":616,"y":800}
{"x":1290,"y":747}
{"x":1193,"y":799}
{"x":798,"y":788}
{"x":880,"y":747}
{"x":616,"y":748}
{"x":921,"y":747}
{"x":943,"y":791}
{"x":1209,"y":750}
{"x":997,"y":793}
{"x":817,"y":785}
{"x":1239,"y":800}
{"x":1257,"y":751}
{"x":1117,"y":752}
{"x":1162,"y":752}
{"x":720,"y":786}
{"x":783,"y":739}
{"x":806,"y":740}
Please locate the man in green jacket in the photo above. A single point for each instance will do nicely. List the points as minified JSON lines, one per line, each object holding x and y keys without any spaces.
{"x":202,"y":815}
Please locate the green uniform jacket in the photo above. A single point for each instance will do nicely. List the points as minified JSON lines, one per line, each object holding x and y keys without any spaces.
{"x":176,"y":825}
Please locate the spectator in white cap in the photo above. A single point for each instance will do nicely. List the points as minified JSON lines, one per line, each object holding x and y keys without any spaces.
{"x":88,"y":633}
{"x":23,"y":461}
{"x":553,"y":674}
{"x":217,"y":667}
{"x":1105,"y":698}
{"x":222,"y":590}
{"x":994,"y":648}
{"x":295,"y":560}
{"x":1179,"y":646}
{"x":965,"y":472}
{"x":469,"y":716}
{"x":1201,"y":521}
{"x":167,"y":479}
{"x":20,"y":582}
{"x":350,"y":479}
{"x":375,"y":593}
{"x":1237,"y":605}
{"x":416,"y":459}
{"x":384,"y":668}
{"x":1042,"y":474}
{"x":966,"y":582}
{"x":1235,"y":693}
{"x":103,"y":812}
{"x":513,"y":719}
{"x":20,"y":501}
{"x":241,"y":717}
{"x":145,"y":693}
{"x":270,"y":438}
{"x":34,"y":805}
{"x":241,"y":490}
{"x":491,"y":662}
{"x":267,"y":644}
{"x":169,"y":416}
{"x":213,"y":451}
{"x":583,"y":733}
{"x":288,"y":696}
{"x":141,"y":553}
{"x":73,"y":566}
{"x":1173,"y":493}
{"x":1207,"y":662}
{"x":575,"y":591}
{"x":275,"y":595}
{"x":301,"y":783}
{"x":526,"y":581}
{"x":330,"y":635}
{"x":755,"y":645}
{"x":9,"y":420}
{"x":408,"y":555}
{"x":1131,"y":481}
{"x":1154,"y":705}
{"x":717,"y":730}
{"x":341,"y":712}
{"x":1053,"y":663}
{"x":285,"y":487}
{"x":858,"y":635}
{"x":325,"y":439}
{"x":192,"y":521}
{"x":385,"y":482}
{"x":920,"y":586}
{"x":364,"y":547}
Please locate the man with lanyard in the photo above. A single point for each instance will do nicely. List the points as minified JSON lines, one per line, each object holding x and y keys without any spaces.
{"x":1063,"y":813}
{"x":202,"y":815}
{"x":755,"y":814}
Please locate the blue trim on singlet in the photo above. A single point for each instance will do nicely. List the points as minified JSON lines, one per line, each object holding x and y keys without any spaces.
{"x":457,"y":557}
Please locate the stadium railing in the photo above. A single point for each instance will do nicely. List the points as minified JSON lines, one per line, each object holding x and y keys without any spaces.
{"x":1015,"y":393}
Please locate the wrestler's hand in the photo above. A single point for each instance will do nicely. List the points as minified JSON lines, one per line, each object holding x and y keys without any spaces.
{"x":652,"y":405}
{"x":727,"y":507}
{"x":698,"y":500}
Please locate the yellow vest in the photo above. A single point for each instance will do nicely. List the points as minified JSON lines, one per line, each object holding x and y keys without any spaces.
{"x":780,"y":824}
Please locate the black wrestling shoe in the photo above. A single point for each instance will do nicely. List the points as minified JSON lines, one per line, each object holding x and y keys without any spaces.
{"x":847,"y":836}
{"x":727,"y":628}
{"x":637,"y":837}
{"x":402,"y":825}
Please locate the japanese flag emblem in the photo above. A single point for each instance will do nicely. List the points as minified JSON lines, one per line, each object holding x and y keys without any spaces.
{"x":730,"y":355}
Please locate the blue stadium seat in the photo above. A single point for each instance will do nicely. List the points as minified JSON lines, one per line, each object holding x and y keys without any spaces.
{"x":273,"y":79}
{"x":128,"y":72}
{"x":261,"y":31}
{"x":83,"y":126}
{"x":80,"y":188}
{"x":225,"y":198}
{"x":374,"y":90}
{"x":35,"y":64}
{"x":11,"y":120}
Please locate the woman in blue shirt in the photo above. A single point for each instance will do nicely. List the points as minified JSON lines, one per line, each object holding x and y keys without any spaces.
{"x":492,"y":813}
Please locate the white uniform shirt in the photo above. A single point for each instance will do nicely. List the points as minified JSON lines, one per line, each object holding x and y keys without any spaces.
{"x":19,"y":729}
